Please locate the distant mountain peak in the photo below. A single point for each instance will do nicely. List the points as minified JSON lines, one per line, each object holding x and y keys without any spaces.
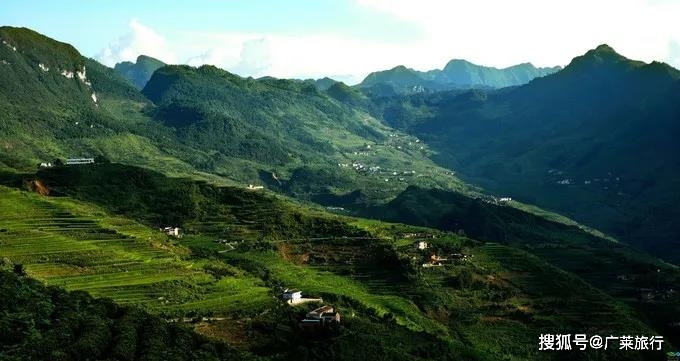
{"x":453,"y":62}
{"x":402,"y":68}
{"x":139,"y":73}
{"x":605,"y":48}
{"x":602,"y":56}
{"x":142,"y":58}
{"x":457,"y":74}
{"x":605,"y":52}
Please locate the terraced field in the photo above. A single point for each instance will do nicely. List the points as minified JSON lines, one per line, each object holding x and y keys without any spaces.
{"x":330,"y":286}
{"x":79,"y":247}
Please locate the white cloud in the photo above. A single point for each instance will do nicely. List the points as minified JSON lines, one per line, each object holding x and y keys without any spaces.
{"x":255,"y":59}
{"x":674,"y":54}
{"x":282,"y":56}
{"x":487,"y":32}
{"x":502,"y":33}
{"x":141,"y":39}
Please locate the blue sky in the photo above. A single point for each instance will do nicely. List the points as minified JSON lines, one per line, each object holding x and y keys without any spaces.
{"x":347,"y":39}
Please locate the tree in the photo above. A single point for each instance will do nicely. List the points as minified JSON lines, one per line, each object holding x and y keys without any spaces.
{"x":19,"y":269}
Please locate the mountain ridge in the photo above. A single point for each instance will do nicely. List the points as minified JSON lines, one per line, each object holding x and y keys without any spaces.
{"x":457,"y":73}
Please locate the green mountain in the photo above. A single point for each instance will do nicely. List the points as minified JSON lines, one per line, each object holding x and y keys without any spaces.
{"x":457,"y":74}
{"x":139,"y":72}
{"x":280,"y":128}
{"x":595,"y":141}
{"x":201,"y":122}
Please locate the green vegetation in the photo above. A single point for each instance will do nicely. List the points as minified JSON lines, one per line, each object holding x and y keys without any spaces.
{"x":79,"y":247}
{"x":596,"y":142}
{"x":46,"y":323}
{"x":493,"y":304}
{"x":621,"y":271}
{"x":203,"y":123}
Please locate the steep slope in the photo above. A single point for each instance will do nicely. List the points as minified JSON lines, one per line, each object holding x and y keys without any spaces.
{"x":596,"y":141}
{"x":46,"y":323}
{"x":274,"y":129}
{"x":207,"y":123}
{"x":457,"y":74}
{"x":139,"y":72}
{"x":54,"y":103}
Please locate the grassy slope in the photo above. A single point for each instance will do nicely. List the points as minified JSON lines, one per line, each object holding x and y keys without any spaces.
{"x":493,"y":306}
{"x":79,"y":246}
{"x":567,"y":246}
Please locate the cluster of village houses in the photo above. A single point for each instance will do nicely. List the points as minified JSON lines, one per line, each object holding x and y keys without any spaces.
{"x":494,"y":200}
{"x":570,"y":181}
{"x":650,"y":294}
{"x":365,"y":169}
{"x":319,"y":318}
{"x":437,"y":260}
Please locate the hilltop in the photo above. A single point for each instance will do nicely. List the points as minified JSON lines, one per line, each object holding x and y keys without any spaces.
{"x":139,"y":72}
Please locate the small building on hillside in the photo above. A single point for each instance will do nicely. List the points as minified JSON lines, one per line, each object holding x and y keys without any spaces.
{"x":422,"y":245}
{"x":46,"y":165}
{"x":252,"y":187}
{"x":172,"y":231}
{"x":321,"y":317}
{"x":291,"y":295}
{"x":79,"y":161}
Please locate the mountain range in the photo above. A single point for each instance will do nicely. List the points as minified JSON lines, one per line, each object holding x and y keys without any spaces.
{"x":595,"y":141}
{"x":457,"y":74}
{"x":410,"y":212}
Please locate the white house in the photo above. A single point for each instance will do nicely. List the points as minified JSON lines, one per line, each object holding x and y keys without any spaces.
{"x":421,"y":245}
{"x":254,"y":187}
{"x":291,"y":295}
{"x":172,"y":231}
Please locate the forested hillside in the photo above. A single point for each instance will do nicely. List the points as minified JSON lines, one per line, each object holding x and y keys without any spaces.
{"x":595,"y":141}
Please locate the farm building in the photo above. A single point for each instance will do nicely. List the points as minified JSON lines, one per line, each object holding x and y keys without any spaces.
{"x":172,"y":231}
{"x":78,"y":161}
{"x":323,"y":316}
{"x":291,"y":295}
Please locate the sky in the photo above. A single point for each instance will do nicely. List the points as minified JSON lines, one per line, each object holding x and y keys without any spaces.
{"x":347,"y":39}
